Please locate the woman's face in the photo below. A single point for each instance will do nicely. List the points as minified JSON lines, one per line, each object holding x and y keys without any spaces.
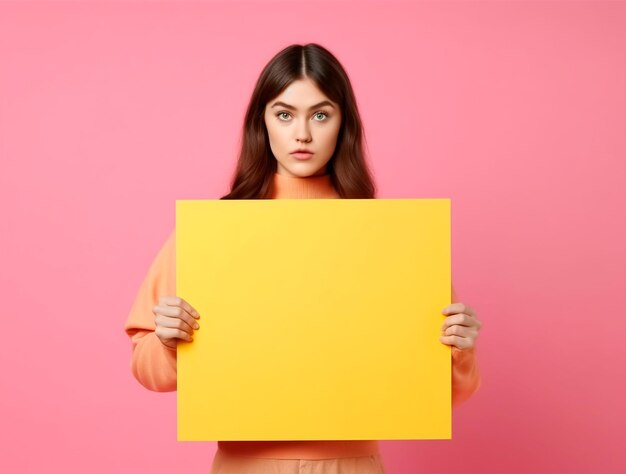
{"x":302,"y":117}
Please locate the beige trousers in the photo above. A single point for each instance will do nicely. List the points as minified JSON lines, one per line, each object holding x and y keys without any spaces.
{"x":224,"y":463}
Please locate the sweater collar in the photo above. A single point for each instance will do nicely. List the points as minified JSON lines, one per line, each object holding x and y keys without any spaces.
{"x":295,"y":187}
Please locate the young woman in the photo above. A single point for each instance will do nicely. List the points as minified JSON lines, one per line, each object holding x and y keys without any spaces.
{"x":302,"y":138}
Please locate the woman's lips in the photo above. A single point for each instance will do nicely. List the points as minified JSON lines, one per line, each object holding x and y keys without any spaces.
{"x":302,"y":156}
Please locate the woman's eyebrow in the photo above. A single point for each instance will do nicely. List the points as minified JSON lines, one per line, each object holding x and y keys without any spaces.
{"x":287,"y":106}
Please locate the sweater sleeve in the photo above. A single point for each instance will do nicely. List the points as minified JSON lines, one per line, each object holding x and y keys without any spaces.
{"x":465,"y":371}
{"x":153,"y":363}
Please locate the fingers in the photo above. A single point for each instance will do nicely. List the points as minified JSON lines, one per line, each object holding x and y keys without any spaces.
{"x":175,"y":313}
{"x":457,"y":341}
{"x":170,"y":328}
{"x":461,"y":320}
{"x":462,"y":337}
{"x":455,"y":308}
{"x":169,"y":322}
{"x":461,"y":326}
{"x":174,"y":319}
{"x":461,"y":331}
{"x":178,"y":301}
{"x":166,"y":334}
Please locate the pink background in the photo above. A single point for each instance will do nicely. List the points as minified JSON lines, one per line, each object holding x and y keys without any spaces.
{"x":111,"y":112}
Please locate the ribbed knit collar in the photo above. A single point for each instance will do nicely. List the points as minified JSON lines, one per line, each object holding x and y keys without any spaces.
{"x":311,"y":187}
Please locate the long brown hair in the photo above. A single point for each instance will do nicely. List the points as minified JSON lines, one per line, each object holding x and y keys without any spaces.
{"x":349,"y":173}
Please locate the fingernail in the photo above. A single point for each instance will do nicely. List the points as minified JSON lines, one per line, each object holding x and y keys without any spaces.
{"x":196,"y":326}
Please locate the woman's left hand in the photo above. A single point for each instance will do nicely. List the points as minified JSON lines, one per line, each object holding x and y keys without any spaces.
{"x":460,"y":329}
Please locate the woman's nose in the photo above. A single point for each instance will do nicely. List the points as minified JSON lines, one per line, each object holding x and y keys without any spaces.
{"x":302,"y":133}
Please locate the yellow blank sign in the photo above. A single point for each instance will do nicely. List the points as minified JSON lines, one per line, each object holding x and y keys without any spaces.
{"x":320,"y":319}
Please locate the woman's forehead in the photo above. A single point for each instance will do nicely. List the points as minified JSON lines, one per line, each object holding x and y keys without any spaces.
{"x":302,"y":94}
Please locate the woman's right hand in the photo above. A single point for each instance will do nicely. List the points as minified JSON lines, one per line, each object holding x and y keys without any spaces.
{"x":175,"y":320}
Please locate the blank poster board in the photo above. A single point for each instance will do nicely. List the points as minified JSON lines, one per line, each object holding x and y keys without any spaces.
{"x":320,"y":319}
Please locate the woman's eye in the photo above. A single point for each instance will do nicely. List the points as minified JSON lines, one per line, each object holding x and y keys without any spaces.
{"x":284,"y":116}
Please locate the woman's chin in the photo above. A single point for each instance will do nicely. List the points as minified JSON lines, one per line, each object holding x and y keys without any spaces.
{"x":303,"y":169}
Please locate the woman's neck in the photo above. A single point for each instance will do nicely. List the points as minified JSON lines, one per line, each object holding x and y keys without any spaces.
{"x":295,"y":187}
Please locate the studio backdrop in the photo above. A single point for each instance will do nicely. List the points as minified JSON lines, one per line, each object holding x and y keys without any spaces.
{"x":112,"y":111}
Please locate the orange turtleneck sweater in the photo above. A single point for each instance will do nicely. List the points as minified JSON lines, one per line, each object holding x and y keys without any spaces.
{"x":154,"y":364}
